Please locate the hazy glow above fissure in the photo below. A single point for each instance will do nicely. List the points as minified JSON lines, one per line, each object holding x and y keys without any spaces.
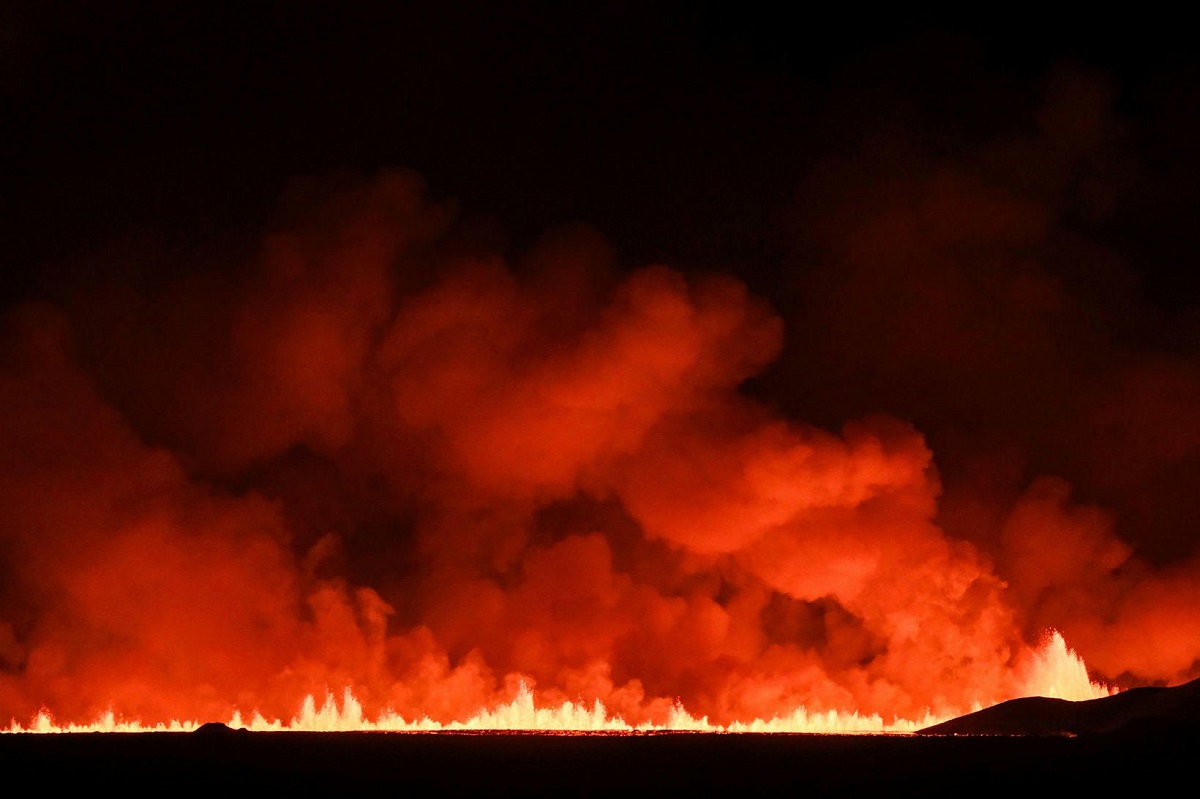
{"x":1061,"y":675}
{"x":431,"y":487}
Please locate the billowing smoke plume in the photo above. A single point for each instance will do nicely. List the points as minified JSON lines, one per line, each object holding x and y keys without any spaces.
{"x":973,"y":294}
{"x":381,"y":453}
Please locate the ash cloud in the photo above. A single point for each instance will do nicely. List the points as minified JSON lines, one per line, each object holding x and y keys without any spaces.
{"x":581,"y":495}
{"x":381,"y":448}
{"x":977,"y":290}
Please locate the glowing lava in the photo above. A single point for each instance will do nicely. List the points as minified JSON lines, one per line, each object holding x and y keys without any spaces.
{"x":1060,"y":673}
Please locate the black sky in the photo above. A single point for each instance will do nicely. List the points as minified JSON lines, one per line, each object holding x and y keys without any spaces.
{"x":678,"y":129}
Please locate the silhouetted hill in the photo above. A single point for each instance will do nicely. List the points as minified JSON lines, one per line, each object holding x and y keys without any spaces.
{"x":1137,"y":709}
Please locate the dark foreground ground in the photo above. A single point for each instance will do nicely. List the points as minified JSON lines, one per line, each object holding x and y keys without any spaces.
{"x":221,"y":762}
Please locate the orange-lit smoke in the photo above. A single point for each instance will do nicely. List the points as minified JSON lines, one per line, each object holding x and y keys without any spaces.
{"x":385,"y":457}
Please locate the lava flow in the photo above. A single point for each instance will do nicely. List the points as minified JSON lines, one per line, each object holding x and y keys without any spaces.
{"x":1060,"y":674}
{"x":460,"y":490}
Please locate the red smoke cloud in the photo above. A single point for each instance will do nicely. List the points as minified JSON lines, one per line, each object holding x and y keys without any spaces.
{"x":965,"y":293}
{"x":388,"y":457}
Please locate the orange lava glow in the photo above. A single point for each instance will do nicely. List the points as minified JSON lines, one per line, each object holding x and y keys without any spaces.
{"x":1060,"y":673}
{"x":434,"y":487}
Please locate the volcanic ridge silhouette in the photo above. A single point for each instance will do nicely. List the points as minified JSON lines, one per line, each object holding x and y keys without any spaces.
{"x":1133,"y":710}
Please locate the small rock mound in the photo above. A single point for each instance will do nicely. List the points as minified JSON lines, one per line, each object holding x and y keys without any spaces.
{"x":216,"y":728}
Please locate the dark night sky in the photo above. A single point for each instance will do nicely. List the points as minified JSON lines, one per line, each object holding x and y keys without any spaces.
{"x":680,"y":130}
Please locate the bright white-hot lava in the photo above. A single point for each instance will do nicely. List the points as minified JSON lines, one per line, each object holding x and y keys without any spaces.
{"x":1059,"y":673}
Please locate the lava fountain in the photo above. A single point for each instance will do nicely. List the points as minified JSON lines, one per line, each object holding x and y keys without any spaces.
{"x":1061,"y":675}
